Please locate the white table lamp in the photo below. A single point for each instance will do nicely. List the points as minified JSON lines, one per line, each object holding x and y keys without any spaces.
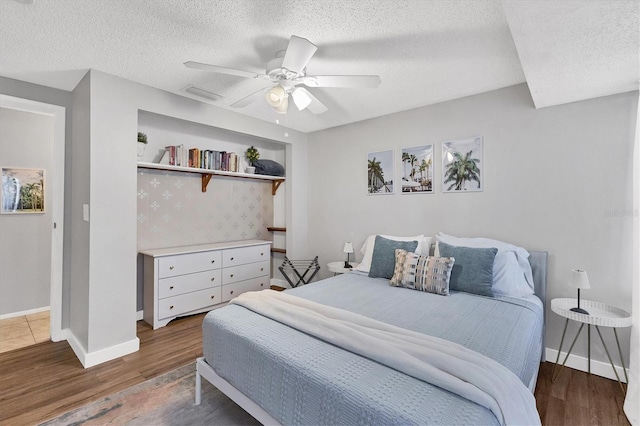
{"x":579,"y":280}
{"x":348,"y":248}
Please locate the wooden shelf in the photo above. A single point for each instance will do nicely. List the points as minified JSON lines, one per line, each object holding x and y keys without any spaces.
{"x":207,"y":174}
{"x":276,"y":229}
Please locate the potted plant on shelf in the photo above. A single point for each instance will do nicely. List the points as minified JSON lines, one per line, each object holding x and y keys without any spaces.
{"x":252,"y":155}
{"x":142,"y":144}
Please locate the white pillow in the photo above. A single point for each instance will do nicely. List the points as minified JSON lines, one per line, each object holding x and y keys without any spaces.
{"x":512,"y":274}
{"x":424,"y":244}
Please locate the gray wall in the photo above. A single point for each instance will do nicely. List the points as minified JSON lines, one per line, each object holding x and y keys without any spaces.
{"x":34,"y":92}
{"x":26,"y":141}
{"x":555,"y":179}
{"x":109,"y":292}
{"x":78,"y":195}
{"x":99,"y":288}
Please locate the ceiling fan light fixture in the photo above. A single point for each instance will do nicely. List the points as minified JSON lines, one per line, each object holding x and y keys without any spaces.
{"x":276,"y":96}
{"x":301,"y":99}
{"x":283,"y":107}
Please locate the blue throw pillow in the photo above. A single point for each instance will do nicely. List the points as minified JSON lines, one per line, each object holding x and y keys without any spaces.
{"x":473,"y":269}
{"x":383,"y":260}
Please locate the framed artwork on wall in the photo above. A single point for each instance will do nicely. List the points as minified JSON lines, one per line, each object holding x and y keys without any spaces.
{"x":380,"y":173}
{"x":462,"y":165}
{"x":22,"y":191}
{"x":417,"y":170}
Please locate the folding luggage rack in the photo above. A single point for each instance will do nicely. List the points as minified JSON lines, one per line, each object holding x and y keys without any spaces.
{"x":300,"y":269}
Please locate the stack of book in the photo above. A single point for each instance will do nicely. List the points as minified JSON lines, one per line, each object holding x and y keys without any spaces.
{"x":178,"y":155}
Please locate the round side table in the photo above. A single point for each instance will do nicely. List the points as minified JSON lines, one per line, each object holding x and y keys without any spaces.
{"x":338,"y":267}
{"x":600,"y":315}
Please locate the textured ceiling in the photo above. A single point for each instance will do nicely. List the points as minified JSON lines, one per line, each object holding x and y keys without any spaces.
{"x":424,"y":51}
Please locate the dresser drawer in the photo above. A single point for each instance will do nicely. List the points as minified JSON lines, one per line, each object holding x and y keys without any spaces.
{"x":178,"y":305}
{"x":181,"y":284}
{"x":181,"y":264}
{"x":232,"y":290}
{"x":243,"y":255}
{"x":244,"y":272}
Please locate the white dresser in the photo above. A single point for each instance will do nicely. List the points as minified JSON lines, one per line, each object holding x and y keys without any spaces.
{"x":191,"y":279}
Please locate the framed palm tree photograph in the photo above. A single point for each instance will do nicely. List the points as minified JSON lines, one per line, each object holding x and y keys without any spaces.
{"x":380,"y":173}
{"x":22,"y":191}
{"x":462,"y":165}
{"x":417,"y":170}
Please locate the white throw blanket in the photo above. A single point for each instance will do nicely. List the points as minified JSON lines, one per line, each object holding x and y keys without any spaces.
{"x":447,"y":365}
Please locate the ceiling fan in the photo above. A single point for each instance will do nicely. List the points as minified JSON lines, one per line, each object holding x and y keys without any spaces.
{"x":288,"y":72}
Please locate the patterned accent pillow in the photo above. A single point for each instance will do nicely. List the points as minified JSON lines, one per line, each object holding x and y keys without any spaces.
{"x":424,"y":273}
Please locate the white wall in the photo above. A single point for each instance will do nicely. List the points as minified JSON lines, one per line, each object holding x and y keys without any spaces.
{"x":26,"y":141}
{"x":556,"y":179}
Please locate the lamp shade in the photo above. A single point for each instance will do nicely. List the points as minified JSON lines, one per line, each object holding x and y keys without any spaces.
{"x":276,"y":96}
{"x":301,"y":99}
{"x":579,"y":279}
{"x":283,"y":107}
{"x":348,"y":248}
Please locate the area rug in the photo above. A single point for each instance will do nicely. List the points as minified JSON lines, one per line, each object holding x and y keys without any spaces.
{"x":164,"y":400}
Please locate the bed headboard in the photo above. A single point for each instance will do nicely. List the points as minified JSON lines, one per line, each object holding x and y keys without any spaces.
{"x":538,"y":261}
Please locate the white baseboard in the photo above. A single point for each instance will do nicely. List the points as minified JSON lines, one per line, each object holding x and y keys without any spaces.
{"x":599,"y":368}
{"x":24,"y":313}
{"x":90,"y":359}
{"x":139,"y":315}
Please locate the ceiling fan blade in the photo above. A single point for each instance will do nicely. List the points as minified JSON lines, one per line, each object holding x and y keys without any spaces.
{"x":222,"y":70}
{"x":299,"y":52}
{"x":353,"y":81}
{"x":255,"y":96}
{"x":313,"y":104}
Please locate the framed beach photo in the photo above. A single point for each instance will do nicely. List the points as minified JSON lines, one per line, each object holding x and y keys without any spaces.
{"x":462,"y":165}
{"x":417,"y":170}
{"x":380,"y":173}
{"x":22,"y":191}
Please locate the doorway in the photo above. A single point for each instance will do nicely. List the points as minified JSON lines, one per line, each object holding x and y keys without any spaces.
{"x":54,"y":222}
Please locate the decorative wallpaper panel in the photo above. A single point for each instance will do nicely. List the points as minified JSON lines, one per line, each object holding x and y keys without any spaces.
{"x":173,"y":210}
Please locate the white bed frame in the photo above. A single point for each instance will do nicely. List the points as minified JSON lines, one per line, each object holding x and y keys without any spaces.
{"x":538,"y":262}
{"x":204,"y":370}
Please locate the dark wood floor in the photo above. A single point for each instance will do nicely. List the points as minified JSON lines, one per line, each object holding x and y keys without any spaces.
{"x":46,"y":380}
{"x":577,"y":398}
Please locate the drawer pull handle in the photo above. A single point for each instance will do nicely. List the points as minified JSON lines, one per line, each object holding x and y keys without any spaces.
{"x":261,"y":284}
{"x":170,"y":287}
{"x":261,"y":254}
{"x":171,"y":267}
{"x":231,"y":292}
{"x":171,"y":307}
{"x":261,"y":269}
{"x":213,"y":297}
{"x":232,"y":258}
{"x":213,"y":278}
{"x":213,"y":261}
{"x":231,"y":275}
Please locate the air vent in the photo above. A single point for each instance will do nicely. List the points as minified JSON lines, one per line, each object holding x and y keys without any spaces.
{"x":196,"y":91}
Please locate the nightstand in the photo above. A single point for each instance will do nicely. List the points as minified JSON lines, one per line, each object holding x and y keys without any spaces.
{"x":600,"y":315}
{"x":338,"y":267}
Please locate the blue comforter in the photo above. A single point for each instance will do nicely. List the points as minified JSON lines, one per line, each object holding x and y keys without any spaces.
{"x":299,"y":379}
